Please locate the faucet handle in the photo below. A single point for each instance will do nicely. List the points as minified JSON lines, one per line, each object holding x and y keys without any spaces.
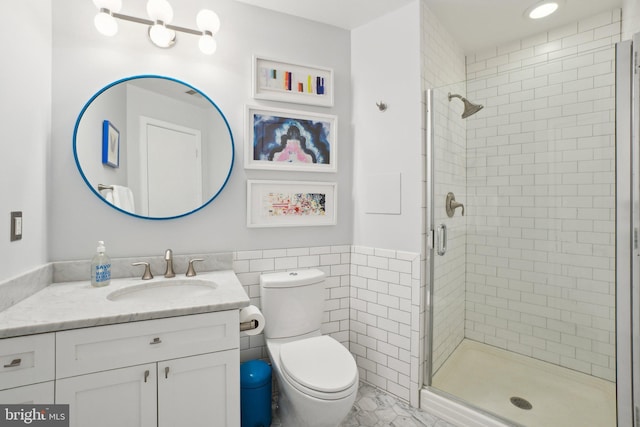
{"x":147,"y":270}
{"x":451,"y":205}
{"x":192,"y":271}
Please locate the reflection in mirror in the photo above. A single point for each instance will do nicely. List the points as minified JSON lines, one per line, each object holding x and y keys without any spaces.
{"x":153,"y":147}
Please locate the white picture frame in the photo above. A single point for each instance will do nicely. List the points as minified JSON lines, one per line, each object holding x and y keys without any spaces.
{"x":279,"y":139}
{"x":277,"y":80}
{"x":291,"y":203}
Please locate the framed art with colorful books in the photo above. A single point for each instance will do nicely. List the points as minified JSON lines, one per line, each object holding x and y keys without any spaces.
{"x":288,"y":82}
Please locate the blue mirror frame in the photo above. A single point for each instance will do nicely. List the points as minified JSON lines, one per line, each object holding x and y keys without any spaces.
{"x":144,"y":76}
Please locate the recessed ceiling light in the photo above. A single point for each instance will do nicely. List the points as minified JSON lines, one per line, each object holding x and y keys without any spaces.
{"x":542,"y":10}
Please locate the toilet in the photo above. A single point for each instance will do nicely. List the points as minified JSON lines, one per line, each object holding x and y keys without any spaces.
{"x":317,"y":376}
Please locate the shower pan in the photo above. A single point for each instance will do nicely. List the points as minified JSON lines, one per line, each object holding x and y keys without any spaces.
{"x":525,"y":316}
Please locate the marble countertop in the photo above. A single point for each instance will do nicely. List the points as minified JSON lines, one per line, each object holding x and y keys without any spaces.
{"x":71,"y":305}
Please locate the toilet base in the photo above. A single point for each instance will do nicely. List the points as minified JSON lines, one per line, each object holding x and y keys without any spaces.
{"x":297,"y":410}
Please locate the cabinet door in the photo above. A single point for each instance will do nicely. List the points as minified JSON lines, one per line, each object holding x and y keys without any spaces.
{"x":38,"y":394}
{"x":200,"y":391}
{"x":121,"y":397}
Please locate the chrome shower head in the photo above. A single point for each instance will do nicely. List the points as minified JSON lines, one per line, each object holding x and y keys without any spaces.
{"x":469,"y":107}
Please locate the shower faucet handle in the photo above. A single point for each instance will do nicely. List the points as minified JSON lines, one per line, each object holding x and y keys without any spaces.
{"x":451,"y":205}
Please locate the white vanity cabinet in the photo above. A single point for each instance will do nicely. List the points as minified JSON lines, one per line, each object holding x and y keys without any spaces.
{"x":179,"y":371}
{"x":27,"y":369}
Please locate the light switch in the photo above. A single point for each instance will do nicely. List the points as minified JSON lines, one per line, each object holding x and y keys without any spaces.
{"x":16,"y":225}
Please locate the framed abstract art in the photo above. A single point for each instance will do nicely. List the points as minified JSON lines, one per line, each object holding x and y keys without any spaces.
{"x":290,"y":203}
{"x":279,"y":139}
{"x":110,"y":144}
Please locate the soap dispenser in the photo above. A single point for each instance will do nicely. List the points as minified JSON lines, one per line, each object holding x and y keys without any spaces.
{"x":100,"y":267}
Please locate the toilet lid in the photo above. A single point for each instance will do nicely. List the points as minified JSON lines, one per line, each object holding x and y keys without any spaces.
{"x":319,"y":363}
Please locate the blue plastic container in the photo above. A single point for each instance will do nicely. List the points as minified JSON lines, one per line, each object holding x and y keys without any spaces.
{"x":255,"y":394}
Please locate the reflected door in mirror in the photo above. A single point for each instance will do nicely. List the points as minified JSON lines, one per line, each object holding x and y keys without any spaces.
{"x":171,"y":171}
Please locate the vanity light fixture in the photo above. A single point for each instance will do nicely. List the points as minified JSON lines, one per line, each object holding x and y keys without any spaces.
{"x":161,"y":32}
{"x":542,"y":9}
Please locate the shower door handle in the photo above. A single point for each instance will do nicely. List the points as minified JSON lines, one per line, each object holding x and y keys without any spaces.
{"x":441,"y":239}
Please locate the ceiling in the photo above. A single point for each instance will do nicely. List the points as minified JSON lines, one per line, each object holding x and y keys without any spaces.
{"x":475,"y":24}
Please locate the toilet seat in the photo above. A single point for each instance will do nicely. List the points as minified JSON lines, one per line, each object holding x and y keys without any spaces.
{"x":320,"y":367}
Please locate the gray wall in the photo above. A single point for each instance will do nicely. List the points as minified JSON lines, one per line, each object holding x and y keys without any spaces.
{"x":25,"y":108}
{"x":85,"y":61}
{"x":386,"y":67}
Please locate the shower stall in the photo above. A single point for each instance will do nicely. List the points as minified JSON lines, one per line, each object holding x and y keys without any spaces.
{"x":531,"y":237}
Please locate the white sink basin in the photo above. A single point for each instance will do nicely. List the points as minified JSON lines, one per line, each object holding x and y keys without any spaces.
{"x":164,"y":290}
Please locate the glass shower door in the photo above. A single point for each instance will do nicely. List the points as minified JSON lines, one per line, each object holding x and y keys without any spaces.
{"x":449,"y":260}
{"x":525,"y":281}
{"x":628,"y":223}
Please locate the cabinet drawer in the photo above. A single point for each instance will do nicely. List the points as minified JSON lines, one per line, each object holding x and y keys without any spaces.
{"x":26,"y":360}
{"x":100,"y":348}
{"x":34,"y":394}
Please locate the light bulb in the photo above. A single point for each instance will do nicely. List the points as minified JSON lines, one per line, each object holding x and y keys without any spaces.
{"x":543,"y":10}
{"x":160,"y":10}
{"x":207,"y":44}
{"x":161,"y":36}
{"x":106,"y":24}
{"x":208,"y":20}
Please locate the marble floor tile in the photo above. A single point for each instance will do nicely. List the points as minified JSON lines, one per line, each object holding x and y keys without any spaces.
{"x":374,"y":408}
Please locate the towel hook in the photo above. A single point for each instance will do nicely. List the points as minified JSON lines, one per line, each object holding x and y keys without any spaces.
{"x":381,"y":106}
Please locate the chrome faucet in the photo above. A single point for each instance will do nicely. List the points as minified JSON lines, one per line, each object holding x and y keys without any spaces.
{"x":168,"y":256}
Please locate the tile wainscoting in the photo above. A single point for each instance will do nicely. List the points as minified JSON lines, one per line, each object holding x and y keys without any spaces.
{"x":373,"y":307}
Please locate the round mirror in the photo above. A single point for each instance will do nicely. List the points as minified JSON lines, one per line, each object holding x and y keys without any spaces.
{"x":153,"y":147}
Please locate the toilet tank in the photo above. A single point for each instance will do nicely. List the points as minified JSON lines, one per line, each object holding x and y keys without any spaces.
{"x":292,"y":302}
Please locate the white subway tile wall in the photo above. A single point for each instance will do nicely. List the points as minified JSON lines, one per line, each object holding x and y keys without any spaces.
{"x":386,"y":332}
{"x":334,"y":261}
{"x":372,"y":306}
{"x":541,"y":181}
